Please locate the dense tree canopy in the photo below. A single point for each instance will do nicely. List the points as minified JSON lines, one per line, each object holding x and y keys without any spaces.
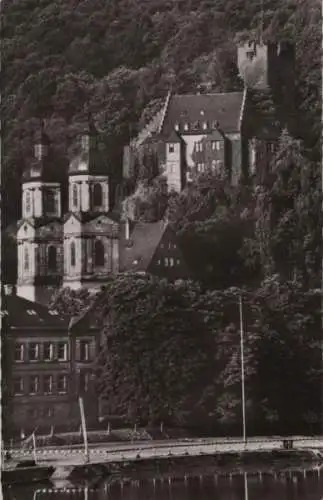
{"x":171,"y":352}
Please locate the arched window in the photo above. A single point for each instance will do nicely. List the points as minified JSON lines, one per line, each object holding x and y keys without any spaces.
{"x":26,"y":259}
{"x":75,"y":195}
{"x":52,"y":258}
{"x":49,"y":201}
{"x":98,"y":254}
{"x":73,"y":257}
{"x":97,"y":195}
{"x":28,"y":202}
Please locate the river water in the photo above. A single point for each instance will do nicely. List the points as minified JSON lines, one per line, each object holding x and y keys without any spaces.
{"x":285,"y":486}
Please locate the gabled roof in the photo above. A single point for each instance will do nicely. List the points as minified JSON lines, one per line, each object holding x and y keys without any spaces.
{"x":174,"y":137}
{"x":18,"y":312}
{"x":89,"y":216}
{"x":39,"y":221}
{"x":137,"y":253}
{"x":191,"y":108}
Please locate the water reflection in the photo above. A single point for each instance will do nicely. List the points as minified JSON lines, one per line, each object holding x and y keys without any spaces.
{"x":282,"y":485}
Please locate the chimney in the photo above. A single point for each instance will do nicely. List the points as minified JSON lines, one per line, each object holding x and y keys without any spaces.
{"x":127,"y":231}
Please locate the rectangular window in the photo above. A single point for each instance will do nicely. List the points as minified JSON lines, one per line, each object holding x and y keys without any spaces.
{"x":33,"y":351}
{"x":48,"y":351}
{"x":62,"y":383}
{"x":19,"y":352}
{"x":171,"y":262}
{"x":166,"y":261}
{"x":34,"y":384}
{"x":171,"y":148}
{"x":32,"y":413}
{"x":84,"y":350}
{"x":48,"y":384}
{"x":62,"y":351}
{"x":178,"y":262}
{"x":84,"y":382}
{"x":48,"y":412}
{"x":18,"y":386}
{"x":215,"y":145}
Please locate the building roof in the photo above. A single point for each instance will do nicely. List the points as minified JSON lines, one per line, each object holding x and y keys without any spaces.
{"x":137,"y":253}
{"x":18,"y":312}
{"x":89,"y":216}
{"x":174,"y":137}
{"x":225,"y":108}
{"x":39,"y":221}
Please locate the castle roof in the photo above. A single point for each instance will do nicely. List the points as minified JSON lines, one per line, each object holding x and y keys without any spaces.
{"x":18,"y":312}
{"x":225,"y":108}
{"x":174,"y":137}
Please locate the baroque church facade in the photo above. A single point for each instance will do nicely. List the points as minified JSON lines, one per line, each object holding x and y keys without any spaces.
{"x":73,"y":249}
{"x":192,"y":134}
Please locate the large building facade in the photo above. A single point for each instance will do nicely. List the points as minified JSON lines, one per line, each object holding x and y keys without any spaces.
{"x":232,"y":134}
{"x":48,"y":364}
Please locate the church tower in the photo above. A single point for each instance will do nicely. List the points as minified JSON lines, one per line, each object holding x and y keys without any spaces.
{"x":39,"y":235}
{"x":90,"y":234}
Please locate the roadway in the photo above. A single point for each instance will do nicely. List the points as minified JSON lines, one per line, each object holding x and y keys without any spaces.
{"x":115,"y":452}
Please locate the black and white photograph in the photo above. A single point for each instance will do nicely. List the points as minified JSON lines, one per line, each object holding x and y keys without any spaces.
{"x":161,"y":250}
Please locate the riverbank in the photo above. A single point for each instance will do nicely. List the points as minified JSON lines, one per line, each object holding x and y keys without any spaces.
{"x":193,"y":465}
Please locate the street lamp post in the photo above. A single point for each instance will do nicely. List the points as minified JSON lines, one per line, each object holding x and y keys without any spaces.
{"x":242,"y":371}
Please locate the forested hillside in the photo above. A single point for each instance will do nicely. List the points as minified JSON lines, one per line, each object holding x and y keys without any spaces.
{"x":118,"y":58}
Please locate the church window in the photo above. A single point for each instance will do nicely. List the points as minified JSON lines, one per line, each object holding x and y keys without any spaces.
{"x":171,"y":148}
{"x":270,"y":147}
{"x":204,"y":125}
{"x":28,"y":202}
{"x":49,"y":201}
{"x":99,"y":253}
{"x":40,"y":151}
{"x":72,"y":249}
{"x":85,"y":141}
{"x":186,"y":126}
{"x":171,"y":262}
{"x":176,"y":126}
{"x":75,"y":196}
{"x":26,"y":259}
{"x":166,"y":261}
{"x":52,"y":258}
{"x":97,"y":195}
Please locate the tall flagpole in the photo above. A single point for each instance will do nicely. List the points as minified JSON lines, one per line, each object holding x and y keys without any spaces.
{"x":86,"y":448}
{"x":242,"y":372}
{"x":246,"y":491}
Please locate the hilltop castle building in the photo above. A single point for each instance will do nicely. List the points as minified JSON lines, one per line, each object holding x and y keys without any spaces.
{"x":194,"y":133}
{"x":226,"y":132}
